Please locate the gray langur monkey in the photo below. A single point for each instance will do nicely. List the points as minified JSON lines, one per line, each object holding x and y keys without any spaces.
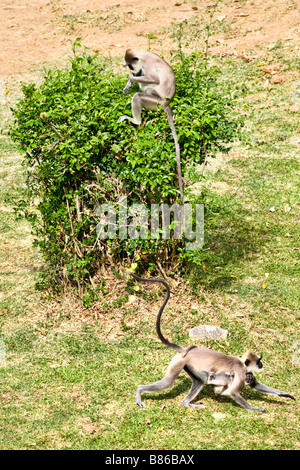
{"x":157,"y":82}
{"x":227,"y":374}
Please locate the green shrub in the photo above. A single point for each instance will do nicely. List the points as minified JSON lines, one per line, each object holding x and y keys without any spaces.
{"x":77,"y":157}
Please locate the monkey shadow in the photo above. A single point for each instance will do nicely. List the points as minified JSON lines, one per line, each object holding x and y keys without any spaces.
{"x":181,"y":386}
{"x":231,"y":235}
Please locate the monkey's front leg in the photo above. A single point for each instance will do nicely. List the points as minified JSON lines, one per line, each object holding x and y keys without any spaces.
{"x":128,"y":85}
{"x":144,"y":79}
{"x":140,"y":79}
{"x":237,"y":397}
{"x":265,"y":389}
{"x":195,"y":389}
{"x":242,"y":402}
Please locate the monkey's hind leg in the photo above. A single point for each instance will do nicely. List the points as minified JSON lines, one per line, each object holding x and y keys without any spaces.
{"x":163,"y":384}
{"x":140,"y":101}
{"x":173,"y":371}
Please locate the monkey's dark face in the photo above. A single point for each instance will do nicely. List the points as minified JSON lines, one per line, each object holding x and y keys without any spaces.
{"x":254,"y":365}
{"x":133,"y":61}
{"x":134,"y":65}
{"x":259,"y":363}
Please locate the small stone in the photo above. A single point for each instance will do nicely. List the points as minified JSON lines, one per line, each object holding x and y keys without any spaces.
{"x":208,"y":331}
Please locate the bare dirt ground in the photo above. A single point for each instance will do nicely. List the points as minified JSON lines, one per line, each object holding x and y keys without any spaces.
{"x":34,"y":32}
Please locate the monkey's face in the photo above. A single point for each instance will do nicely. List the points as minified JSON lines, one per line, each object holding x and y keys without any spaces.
{"x":135,"y":65}
{"x":254,"y":365}
{"x":259,"y":365}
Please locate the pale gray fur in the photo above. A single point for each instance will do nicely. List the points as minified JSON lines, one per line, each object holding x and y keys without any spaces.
{"x":157,"y":82}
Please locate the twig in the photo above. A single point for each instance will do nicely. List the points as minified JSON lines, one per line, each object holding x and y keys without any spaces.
{"x":203,"y":165}
{"x":170,"y":281}
{"x":77,"y":249}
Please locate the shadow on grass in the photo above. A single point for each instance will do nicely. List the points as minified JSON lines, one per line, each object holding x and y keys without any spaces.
{"x":231,"y":235}
{"x":183,"y":386}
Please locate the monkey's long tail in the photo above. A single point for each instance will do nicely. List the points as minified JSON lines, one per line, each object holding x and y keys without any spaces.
{"x":158,"y":330}
{"x":177,"y":150}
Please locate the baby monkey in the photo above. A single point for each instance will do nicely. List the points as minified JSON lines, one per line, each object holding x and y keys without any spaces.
{"x":227,"y":374}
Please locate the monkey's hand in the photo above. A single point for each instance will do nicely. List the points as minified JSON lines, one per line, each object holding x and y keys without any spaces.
{"x":128,"y":85}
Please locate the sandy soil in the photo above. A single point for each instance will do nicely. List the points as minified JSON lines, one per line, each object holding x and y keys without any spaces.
{"x":35,"y":32}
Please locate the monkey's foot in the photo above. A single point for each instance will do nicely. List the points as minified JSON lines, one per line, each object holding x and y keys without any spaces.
{"x":141,"y":404}
{"x":123,"y":118}
{"x":193,"y":407}
{"x":128,"y":118}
